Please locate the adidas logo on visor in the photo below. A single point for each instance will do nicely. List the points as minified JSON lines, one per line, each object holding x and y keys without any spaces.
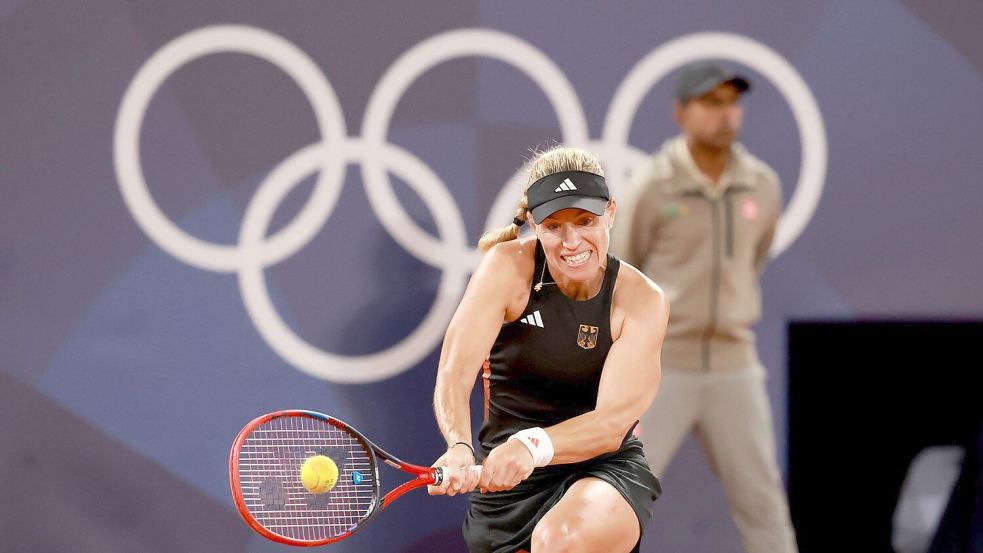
{"x":533,"y":319}
{"x":567,"y":184}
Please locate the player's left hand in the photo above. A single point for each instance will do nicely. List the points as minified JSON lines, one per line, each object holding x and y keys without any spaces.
{"x":506,"y":466}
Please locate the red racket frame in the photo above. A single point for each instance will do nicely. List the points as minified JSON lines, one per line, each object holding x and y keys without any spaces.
{"x":423,"y":476}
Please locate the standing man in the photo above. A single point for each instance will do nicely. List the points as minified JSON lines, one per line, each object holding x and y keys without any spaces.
{"x":703,"y":222}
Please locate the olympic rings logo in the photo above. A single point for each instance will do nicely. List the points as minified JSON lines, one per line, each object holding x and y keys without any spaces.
{"x":449,"y":251}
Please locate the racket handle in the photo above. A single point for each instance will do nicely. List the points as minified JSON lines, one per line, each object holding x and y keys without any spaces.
{"x":443,"y":473}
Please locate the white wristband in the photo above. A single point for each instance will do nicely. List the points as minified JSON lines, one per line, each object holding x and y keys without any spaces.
{"x":538,"y":442}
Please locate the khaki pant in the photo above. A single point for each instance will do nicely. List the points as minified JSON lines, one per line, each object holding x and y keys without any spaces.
{"x":732,"y":419}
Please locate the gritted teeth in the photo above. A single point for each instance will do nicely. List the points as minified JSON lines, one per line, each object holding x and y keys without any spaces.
{"x":578,"y":259}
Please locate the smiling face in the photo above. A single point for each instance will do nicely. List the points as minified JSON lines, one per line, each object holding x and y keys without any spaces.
{"x":576,"y":244}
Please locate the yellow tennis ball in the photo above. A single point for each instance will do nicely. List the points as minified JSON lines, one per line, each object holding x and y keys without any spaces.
{"x":319,"y":474}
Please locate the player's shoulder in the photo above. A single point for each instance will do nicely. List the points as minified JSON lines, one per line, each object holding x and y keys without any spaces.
{"x":512,"y":257}
{"x":634,"y":290}
{"x":518,"y":250}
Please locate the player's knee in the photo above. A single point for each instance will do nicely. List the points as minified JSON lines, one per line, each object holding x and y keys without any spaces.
{"x":556,"y":537}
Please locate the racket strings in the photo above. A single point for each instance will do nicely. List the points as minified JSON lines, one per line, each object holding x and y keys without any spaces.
{"x":269,"y":464}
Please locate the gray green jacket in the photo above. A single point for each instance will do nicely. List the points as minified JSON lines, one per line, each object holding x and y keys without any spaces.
{"x":706,"y":246}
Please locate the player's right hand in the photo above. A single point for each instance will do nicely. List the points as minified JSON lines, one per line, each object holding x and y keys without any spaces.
{"x":460,"y":477}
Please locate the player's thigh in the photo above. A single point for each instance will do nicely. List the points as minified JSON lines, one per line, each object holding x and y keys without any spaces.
{"x":591,"y":517}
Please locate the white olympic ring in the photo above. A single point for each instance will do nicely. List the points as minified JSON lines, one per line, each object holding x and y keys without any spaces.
{"x":812,"y":133}
{"x":423,"y":57}
{"x":449,"y":251}
{"x":365,"y":368}
{"x":126,"y":142}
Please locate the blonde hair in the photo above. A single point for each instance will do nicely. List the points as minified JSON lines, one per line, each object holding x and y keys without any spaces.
{"x":554,"y":160}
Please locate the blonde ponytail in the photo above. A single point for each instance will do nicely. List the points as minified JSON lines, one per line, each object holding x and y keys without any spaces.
{"x":506,"y":233}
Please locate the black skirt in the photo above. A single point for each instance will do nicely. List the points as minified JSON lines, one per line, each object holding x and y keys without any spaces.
{"x":502,"y":522}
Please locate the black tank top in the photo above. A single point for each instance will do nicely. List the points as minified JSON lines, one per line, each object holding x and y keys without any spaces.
{"x":545,"y":367}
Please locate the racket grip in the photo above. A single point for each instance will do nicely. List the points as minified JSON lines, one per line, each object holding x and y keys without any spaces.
{"x":442,"y":474}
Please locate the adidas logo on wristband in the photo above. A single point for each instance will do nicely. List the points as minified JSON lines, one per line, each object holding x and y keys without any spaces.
{"x":538,"y":442}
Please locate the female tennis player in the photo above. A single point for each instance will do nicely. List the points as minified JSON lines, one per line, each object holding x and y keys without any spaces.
{"x":575,"y":337}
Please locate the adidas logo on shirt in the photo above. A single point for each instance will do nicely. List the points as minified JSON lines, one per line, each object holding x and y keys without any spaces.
{"x":567,"y":184}
{"x":533,"y":319}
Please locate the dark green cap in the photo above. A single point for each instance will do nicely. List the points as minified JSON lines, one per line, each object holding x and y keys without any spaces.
{"x":696,"y":79}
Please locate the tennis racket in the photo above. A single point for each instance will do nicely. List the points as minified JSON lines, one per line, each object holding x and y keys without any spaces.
{"x":264,"y":472}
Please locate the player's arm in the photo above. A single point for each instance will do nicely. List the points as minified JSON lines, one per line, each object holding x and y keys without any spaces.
{"x":468,"y":340}
{"x":629,"y":381}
